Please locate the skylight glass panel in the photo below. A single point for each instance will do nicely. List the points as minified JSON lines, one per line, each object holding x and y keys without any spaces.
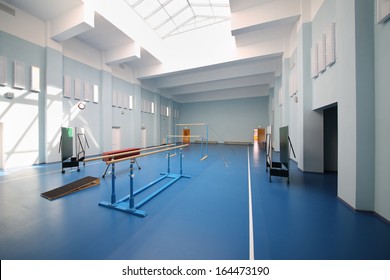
{"x":170,"y":17}
{"x":158,"y":19}
{"x":222,"y":12}
{"x":205,"y":22}
{"x":163,"y":2}
{"x":220,"y":2}
{"x":175,"y":6}
{"x":166,"y":29}
{"x":132,"y":2}
{"x":199,"y":2}
{"x":183,"y":17}
{"x":145,"y":8}
{"x":203,"y":11}
{"x":188,"y":25}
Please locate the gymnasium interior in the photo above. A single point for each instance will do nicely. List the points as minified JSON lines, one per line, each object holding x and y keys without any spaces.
{"x":194,"y":130}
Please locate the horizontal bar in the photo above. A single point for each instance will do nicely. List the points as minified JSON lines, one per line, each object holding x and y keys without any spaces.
{"x":147,"y":154}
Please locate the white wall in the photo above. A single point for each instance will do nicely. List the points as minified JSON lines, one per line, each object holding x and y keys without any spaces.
{"x":348,"y":83}
{"x":382,"y":119}
{"x":325,"y":90}
{"x":355,"y":91}
{"x":21,"y":116}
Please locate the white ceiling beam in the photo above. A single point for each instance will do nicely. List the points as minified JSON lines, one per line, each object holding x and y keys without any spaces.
{"x":264,"y":15}
{"x":228,"y":83}
{"x":121,"y":15}
{"x":233,"y":93}
{"x":208,"y":74}
{"x":72,"y":23}
{"x":121,"y":54}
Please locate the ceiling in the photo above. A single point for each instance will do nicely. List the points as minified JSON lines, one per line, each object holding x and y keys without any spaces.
{"x":245,"y":76}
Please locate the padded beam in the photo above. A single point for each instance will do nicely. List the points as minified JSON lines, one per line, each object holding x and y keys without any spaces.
{"x":125,"y":53}
{"x":72,"y":23}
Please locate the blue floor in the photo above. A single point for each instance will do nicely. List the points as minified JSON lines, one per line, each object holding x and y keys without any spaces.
{"x":204,"y":217}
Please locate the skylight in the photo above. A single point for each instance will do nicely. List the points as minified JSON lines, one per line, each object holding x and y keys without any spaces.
{"x":171,"y":17}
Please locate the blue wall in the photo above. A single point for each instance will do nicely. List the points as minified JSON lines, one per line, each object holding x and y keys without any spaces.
{"x":229,"y":120}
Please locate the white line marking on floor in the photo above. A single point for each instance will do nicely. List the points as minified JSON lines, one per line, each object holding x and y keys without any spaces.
{"x":30,"y":176}
{"x":38,"y":174}
{"x":251,"y":237}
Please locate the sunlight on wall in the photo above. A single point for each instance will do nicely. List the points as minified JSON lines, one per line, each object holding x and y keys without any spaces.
{"x":204,"y":46}
{"x":21,"y":127}
{"x":53,"y":123}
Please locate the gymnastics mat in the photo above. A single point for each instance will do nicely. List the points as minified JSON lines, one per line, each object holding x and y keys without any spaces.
{"x":75,"y":186}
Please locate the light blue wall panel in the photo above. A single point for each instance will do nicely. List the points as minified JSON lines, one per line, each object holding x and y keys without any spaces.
{"x":122,"y":116}
{"x":50,"y":107}
{"x":151,"y":121}
{"x":365,"y":104}
{"x":89,"y":118}
{"x":165,"y":121}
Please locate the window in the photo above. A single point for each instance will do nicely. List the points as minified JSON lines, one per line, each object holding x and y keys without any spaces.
{"x":19,"y":76}
{"x":35,"y":79}
{"x":95,"y":94}
{"x":131,"y":102}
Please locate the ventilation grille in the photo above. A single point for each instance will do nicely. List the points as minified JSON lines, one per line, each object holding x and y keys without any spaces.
{"x":7,"y":9}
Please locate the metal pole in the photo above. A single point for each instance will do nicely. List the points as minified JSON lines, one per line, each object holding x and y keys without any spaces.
{"x":113,"y":195}
{"x":181,"y":161}
{"x":169,"y":161}
{"x":131,"y":195}
{"x":207,"y":139}
{"x":201,"y":147}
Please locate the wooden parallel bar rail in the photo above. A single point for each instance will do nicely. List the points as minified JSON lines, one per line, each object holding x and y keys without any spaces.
{"x":190,"y":124}
{"x":126,"y":153}
{"x":181,"y":135}
{"x":147,"y":154}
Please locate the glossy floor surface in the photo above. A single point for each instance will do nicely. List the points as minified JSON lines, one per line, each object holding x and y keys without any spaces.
{"x":228,"y":209}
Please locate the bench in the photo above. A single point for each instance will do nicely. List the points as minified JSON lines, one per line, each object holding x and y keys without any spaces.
{"x":118,"y":154}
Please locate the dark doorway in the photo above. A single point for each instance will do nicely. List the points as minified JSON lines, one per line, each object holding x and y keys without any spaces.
{"x":330,"y":139}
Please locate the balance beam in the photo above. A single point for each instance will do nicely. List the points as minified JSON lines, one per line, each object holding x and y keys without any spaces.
{"x":75,"y":186}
